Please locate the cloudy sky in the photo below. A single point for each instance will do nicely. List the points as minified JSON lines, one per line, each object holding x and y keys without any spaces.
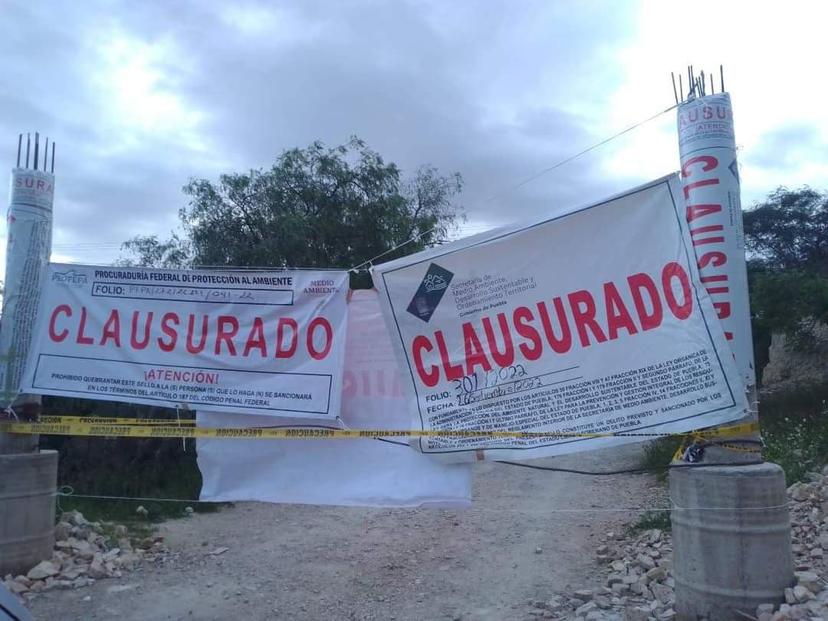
{"x":141,"y":96}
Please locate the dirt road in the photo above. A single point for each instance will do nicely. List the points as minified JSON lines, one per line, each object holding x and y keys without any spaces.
{"x":528,"y":535}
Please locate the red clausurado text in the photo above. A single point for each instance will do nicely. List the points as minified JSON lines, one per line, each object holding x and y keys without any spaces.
{"x":220,"y":335}
{"x":707,"y":221}
{"x":581,"y":318}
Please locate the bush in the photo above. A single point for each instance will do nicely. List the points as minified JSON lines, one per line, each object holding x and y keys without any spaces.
{"x":795,"y":430}
{"x":128,"y":467}
{"x":659,"y":453}
{"x":650,"y":520}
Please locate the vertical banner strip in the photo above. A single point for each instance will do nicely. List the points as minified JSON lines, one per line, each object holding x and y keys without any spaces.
{"x":29,"y":244}
{"x":711,"y":196}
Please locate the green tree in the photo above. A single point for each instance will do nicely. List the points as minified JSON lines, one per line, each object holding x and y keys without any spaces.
{"x":315,"y":207}
{"x":789,"y":231}
{"x":148,"y":251}
{"x":787,"y":240}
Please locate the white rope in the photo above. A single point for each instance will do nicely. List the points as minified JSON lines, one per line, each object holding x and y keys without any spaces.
{"x":566,"y":160}
{"x":66,"y":491}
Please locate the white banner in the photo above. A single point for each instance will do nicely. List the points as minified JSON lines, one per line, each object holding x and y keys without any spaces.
{"x":590,"y":322}
{"x":29,"y":233}
{"x":337,"y":472}
{"x":711,"y":192}
{"x":259,"y":342}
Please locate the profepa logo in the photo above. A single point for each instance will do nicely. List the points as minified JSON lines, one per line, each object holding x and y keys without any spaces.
{"x":430,"y":292}
{"x":72,"y":278}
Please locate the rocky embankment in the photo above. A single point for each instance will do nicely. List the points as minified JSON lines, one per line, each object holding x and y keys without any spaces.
{"x":639,"y":586}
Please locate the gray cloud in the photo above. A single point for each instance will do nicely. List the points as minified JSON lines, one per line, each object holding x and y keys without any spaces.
{"x":785,"y":148}
{"x":486,"y":89}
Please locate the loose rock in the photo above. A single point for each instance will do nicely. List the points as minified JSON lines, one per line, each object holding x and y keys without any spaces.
{"x":81,"y":556}
{"x":43,"y":570}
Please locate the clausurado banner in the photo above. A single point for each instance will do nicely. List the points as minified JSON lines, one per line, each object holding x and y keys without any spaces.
{"x":591,"y":322}
{"x":269,"y":342}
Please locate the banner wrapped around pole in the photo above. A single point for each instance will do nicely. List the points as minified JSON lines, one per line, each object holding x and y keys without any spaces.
{"x":710,"y":186}
{"x":29,"y":243}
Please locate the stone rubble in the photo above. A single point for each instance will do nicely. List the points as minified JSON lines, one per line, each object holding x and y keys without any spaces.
{"x":639,"y":583}
{"x":808,"y":598}
{"x":84,"y":553}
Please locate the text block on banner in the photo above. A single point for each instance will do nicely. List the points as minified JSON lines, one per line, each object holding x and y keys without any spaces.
{"x":592,"y":322}
{"x":233,"y":341}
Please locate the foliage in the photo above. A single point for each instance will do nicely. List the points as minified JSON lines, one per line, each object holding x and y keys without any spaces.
{"x":789,"y":230}
{"x":147,"y":251}
{"x":792,"y":302}
{"x":787,"y":236}
{"x":650,"y":520}
{"x":315,"y":207}
{"x":795,"y":431}
{"x":123,"y":466}
{"x":658,"y":454}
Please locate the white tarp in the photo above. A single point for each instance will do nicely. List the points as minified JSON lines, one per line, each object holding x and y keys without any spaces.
{"x":710,"y":184}
{"x":259,"y":342}
{"x":29,"y":233}
{"x":337,"y":472}
{"x":590,"y":322}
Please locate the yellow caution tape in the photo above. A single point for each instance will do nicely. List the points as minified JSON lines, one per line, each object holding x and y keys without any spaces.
{"x":733,"y":431}
{"x":730,"y":431}
{"x":73,"y":426}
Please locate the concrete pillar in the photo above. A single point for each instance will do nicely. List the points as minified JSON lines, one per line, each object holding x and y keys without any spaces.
{"x":731,"y":540}
{"x":27,"y":408}
{"x":27,"y":509}
{"x":28,"y":477}
{"x":731,"y":528}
